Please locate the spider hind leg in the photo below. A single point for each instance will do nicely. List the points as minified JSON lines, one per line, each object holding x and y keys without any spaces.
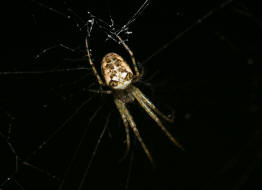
{"x":129,"y":122}
{"x":146,"y":101}
{"x":150,"y":108}
{"x":98,"y":91}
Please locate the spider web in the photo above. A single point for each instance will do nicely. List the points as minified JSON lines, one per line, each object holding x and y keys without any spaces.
{"x":200,"y":57}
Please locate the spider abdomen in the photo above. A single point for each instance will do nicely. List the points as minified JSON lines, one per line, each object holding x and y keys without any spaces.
{"x":117,"y":73}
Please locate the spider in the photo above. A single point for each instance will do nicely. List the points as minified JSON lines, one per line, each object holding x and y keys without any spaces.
{"x":119,"y":77}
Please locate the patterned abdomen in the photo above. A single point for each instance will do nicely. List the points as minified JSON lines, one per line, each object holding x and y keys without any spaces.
{"x":116,"y":71}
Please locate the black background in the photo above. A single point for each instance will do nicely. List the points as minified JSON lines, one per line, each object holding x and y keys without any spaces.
{"x":210,"y":76}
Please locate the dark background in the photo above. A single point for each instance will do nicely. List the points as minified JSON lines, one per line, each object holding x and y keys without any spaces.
{"x":210,"y":76}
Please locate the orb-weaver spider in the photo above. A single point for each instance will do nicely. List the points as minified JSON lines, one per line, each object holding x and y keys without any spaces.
{"x":119,"y":78}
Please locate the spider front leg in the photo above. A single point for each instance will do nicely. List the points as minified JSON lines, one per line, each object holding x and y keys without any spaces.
{"x":148,"y":108}
{"x":137,"y":75}
{"x":128,"y":121}
{"x":93,"y":66}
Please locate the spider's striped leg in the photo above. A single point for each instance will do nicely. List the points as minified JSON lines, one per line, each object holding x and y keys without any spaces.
{"x":154,"y":117}
{"x":146,"y":101}
{"x":120,"y":106}
{"x":93,"y":66}
{"x":128,"y":121}
{"x":100,"y":91}
{"x":137,"y":76}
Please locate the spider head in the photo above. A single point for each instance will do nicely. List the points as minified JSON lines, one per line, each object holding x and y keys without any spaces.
{"x":117,"y":73}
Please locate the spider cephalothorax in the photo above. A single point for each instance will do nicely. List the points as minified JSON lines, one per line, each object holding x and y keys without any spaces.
{"x":120,"y":78}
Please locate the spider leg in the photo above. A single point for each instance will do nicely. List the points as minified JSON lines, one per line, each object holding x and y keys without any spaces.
{"x":46,"y":50}
{"x":120,"y":106}
{"x":128,"y":121}
{"x":100,"y":91}
{"x":137,"y":76}
{"x":93,"y":66}
{"x":151,"y":105}
{"x":154,"y":117}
